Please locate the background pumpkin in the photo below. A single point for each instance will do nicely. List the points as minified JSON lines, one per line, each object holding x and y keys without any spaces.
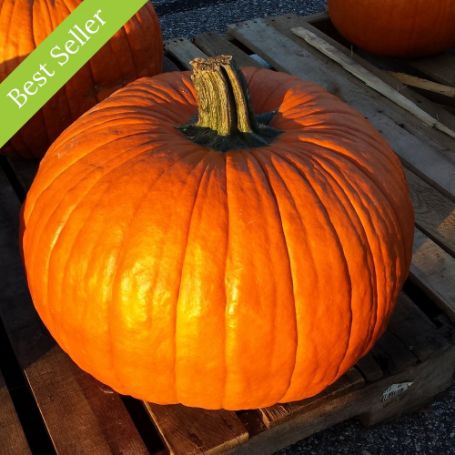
{"x":401,"y":28}
{"x":178,"y":273}
{"x":136,"y":50}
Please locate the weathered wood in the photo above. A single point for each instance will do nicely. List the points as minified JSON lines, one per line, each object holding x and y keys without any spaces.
{"x":317,"y":18}
{"x":252,"y":421}
{"x":392,"y":354}
{"x":79,"y":415}
{"x":372,"y":403}
{"x":424,"y":382}
{"x":183,"y":50}
{"x":435,"y":103}
{"x":440,"y":68}
{"x":279,"y":413}
{"x":409,"y":137}
{"x":369,"y":78}
{"x":189,"y":431}
{"x":370,"y":369}
{"x":424,"y":84}
{"x":415,"y":330}
{"x":169,"y":65}
{"x":433,"y":269}
{"x":434,"y":212}
{"x":213,"y":44}
{"x":380,"y":67}
{"x":12,"y":437}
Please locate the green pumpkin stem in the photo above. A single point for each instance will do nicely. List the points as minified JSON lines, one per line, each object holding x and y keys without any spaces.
{"x":226,"y":120}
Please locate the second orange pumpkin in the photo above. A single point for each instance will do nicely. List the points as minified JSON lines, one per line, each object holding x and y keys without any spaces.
{"x":400,"y":28}
{"x":135,"y":51}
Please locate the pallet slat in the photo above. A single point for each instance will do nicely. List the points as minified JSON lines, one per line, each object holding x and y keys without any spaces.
{"x":370,"y":369}
{"x":183,"y":50}
{"x":440,"y":68}
{"x":410,"y":336}
{"x":434,"y":270}
{"x":12,"y":437}
{"x":372,"y":404}
{"x":425,"y":155}
{"x":279,"y":413}
{"x":415,"y":330}
{"x":214,"y":44}
{"x":381,"y":67}
{"x":393,"y":354}
{"x":323,"y":45}
{"x":189,"y":431}
{"x":169,"y":65}
{"x":80,"y":416}
{"x":424,"y":84}
{"x":435,"y":213}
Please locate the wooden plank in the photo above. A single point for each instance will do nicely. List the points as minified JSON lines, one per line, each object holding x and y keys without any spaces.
{"x":188,"y":431}
{"x":322,"y":44}
{"x":370,"y":369}
{"x":279,"y":413}
{"x":415,"y":330}
{"x":433,"y":269}
{"x":410,"y":139}
{"x":440,"y":68}
{"x":169,"y":65}
{"x":424,"y":84}
{"x":428,"y":135}
{"x":252,"y":421}
{"x":12,"y":437}
{"x":327,"y":31}
{"x":373,"y":403}
{"x":392,"y":354}
{"x":214,"y":44}
{"x":413,"y":389}
{"x":80,"y":414}
{"x":373,"y":65}
{"x":317,"y":18}
{"x":183,"y":50}
{"x":438,"y":105}
{"x":434,"y":212}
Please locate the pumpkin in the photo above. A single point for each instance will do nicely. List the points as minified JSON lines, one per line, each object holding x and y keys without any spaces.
{"x":246,"y":257}
{"x":134,"y":51}
{"x":400,"y":28}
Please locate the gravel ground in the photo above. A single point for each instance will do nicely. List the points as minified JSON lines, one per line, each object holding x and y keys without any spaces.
{"x":427,"y":432}
{"x":430,"y":431}
{"x":186,"y":18}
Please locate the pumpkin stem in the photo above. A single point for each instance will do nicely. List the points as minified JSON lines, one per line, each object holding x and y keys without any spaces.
{"x":226,"y":119}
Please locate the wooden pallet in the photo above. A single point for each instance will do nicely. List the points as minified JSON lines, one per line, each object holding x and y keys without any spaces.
{"x":49,"y":405}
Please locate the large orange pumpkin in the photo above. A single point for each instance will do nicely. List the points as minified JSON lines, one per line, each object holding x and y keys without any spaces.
{"x":401,"y":28}
{"x":251,"y":270}
{"x":136,"y":50}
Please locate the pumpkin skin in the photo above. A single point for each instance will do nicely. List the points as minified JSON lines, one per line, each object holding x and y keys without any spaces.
{"x":178,"y":274}
{"x":397,"y":28}
{"x":135,"y":51}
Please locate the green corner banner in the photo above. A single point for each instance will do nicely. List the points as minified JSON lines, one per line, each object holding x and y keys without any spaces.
{"x":58,"y":58}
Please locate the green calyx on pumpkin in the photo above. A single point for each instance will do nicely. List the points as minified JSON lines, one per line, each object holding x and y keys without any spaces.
{"x":226,"y":120}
